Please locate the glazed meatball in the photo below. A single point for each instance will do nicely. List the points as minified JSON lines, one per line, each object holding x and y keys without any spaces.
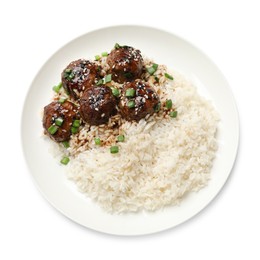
{"x":58,"y":119}
{"x":138,"y":100}
{"x":97,"y":104}
{"x":126,"y":64}
{"x":78,"y":76}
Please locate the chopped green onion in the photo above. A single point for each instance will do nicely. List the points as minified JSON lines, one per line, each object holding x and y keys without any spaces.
{"x":130,"y":92}
{"x":66,"y":144}
{"x":155,"y":66}
{"x":173,"y":114}
{"x":57,"y":87}
{"x":58,"y":121}
{"x":115,"y":92}
{"x":53,"y":129}
{"x":168,"y":104}
{"x":157,"y":107}
{"x":100,"y":82}
{"x":117,"y":46}
{"x":74,"y":129}
{"x":121,"y":138}
{"x":62,"y":100}
{"x":104,"y":54}
{"x":128,"y":75}
{"x":168,"y":76}
{"x":152,"y":69}
{"x":97,"y":57}
{"x":71,"y":76}
{"x":114,"y":149}
{"x":65,"y":160}
{"x":97,"y":141}
{"x":76,"y":123}
{"x":156,"y":79}
{"x":131,"y":104}
{"x":68,"y":71}
{"x":108,"y":78}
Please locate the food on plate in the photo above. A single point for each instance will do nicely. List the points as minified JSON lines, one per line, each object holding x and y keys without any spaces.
{"x":58,"y":119}
{"x":78,"y":76}
{"x":97,"y":104}
{"x":133,"y":134}
{"x":138,"y":99}
{"x":126,"y":63}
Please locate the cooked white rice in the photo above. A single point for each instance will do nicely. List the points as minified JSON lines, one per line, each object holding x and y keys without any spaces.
{"x":161,"y":159}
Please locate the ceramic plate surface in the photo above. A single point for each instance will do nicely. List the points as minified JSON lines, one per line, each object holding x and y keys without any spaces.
{"x":164,"y":48}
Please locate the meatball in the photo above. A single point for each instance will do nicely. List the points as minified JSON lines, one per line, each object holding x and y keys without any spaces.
{"x":138,"y":100}
{"x":58,"y":119}
{"x":126,"y":64}
{"x":78,"y":76}
{"x":97,"y":104}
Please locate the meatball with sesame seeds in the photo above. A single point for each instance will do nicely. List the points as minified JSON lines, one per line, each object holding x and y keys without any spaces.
{"x":78,"y":76}
{"x":138,"y":99}
{"x":126,"y":63}
{"x":58,"y":119}
{"x":97,"y":104}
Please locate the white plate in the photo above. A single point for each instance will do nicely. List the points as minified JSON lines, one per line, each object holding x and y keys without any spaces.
{"x":164,"y":48}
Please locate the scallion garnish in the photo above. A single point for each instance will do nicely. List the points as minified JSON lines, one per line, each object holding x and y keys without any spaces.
{"x":74,"y":129}
{"x":53,"y":129}
{"x":131,"y":104}
{"x":66,"y":144}
{"x":58,"y":121}
{"x":62,"y":100}
{"x":76,"y":123}
{"x":157,"y":107}
{"x":57,"y":87}
{"x":115,"y":92}
{"x":65,"y":160}
{"x":97,"y":57}
{"x":168,"y":103}
{"x":97,"y":141}
{"x":152,"y":69}
{"x":100,"y":82}
{"x":107,"y":78}
{"x":114,"y":149}
{"x":168,"y":76}
{"x":173,"y":114}
{"x":104,"y":54}
{"x":121,"y":138}
{"x":130,"y":92}
{"x":117,"y":46}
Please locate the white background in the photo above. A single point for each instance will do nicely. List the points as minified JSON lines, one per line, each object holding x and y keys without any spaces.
{"x":227,"y":31}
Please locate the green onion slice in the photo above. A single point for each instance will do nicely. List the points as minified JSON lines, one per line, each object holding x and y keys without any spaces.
{"x":66,"y":144}
{"x":108,"y":78}
{"x":104,"y":54}
{"x":115,"y":92}
{"x":76,"y":123}
{"x":53,"y":129}
{"x":97,"y":141}
{"x":114,"y":149}
{"x":65,"y":160}
{"x":57,"y":87}
{"x":168,"y":76}
{"x":157,"y":107}
{"x":117,"y":46}
{"x":58,"y":121}
{"x":62,"y":100}
{"x":74,"y":129}
{"x":131,"y":104}
{"x":173,"y":114}
{"x":121,"y":138}
{"x":97,"y":57}
{"x":168,"y":103}
{"x":100,"y":82}
{"x":130,"y":92}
